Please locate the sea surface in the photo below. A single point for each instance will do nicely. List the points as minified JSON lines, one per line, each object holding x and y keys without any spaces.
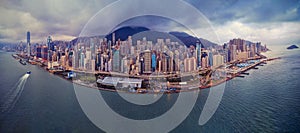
{"x":266,"y":100}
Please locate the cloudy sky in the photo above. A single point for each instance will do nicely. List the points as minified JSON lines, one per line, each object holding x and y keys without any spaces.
{"x":273,"y":22}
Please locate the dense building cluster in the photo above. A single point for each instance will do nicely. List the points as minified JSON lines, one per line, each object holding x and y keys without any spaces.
{"x":139,"y":57}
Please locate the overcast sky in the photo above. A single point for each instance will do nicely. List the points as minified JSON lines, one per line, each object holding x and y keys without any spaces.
{"x":273,"y":22}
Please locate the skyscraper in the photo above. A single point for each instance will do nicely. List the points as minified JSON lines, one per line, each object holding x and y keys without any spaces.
{"x":232,"y":49}
{"x":49,"y":40}
{"x":38,"y":52}
{"x":147,"y":61}
{"x":81,"y":61}
{"x":153,"y":63}
{"x":98,"y":62}
{"x":240,"y":44}
{"x":28,"y":44}
{"x":210,"y":59}
{"x":93,"y":42}
{"x":141,"y":65}
{"x":116,"y":60}
{"x":190,"y":64}
{"x":113,"y":39}
{"x":258,"y":47}
{"x":75,"y":59}
{"x":218,"y":60}
{"x":252,"y":49}
{"x":129,"y":40}
{"x":44,"y":52}
{"x":198,"y":53}
{"x":165,"y":62}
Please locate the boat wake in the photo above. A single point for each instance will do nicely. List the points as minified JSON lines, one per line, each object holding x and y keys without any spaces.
{"x":11,"y":98}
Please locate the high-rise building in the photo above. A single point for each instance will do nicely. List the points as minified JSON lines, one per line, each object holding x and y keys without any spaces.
{"x":258,"y":48}
{"x":99,"y":61}
{"x":63,"y":61}
{"x":232,"y":49}
{"x":204,"y":59}
{"x":28,"y":44}
{"x":104,"y":60}
{"x":81,"y":61}
{"x":240,"y":43}
{"x":141,"y":65}
{"x":218,"y":60}
{"x":190,"y":64}
{"x":49,"y":41}
{"x":165,"y":62}
{"x":147,"y":61}
{"x":153,"y":63}
{"x":44,"y":52}
{"x":86,"y":64}
{"x":116,"y":60}
{"x":210,"y":59}
{"x":93,"y":47}
{"x":75,"y":59}
{"x":252,"y":49}
{"x":186,"y":65}
{"x":123,"y":48}
{"x":204,"y":62}
{"x":38,"y":52}
{"x":198,"y":53}
{"x":109,"y":45}
{"x":54,"y":57}
{"x":159,"y":62}
{"x":113,"y":39}
{"x":93,"y":65}
{"x":242,"y":56}
{"x":125,"y":65}
{"x":129,"y":44}
{"x":88,"y":54}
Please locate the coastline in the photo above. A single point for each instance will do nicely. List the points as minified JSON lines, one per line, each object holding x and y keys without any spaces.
{"x":209,"y":85}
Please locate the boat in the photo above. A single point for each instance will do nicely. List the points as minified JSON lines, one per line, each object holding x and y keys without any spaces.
{"x":240,"y":76}
{"x":22,"y":62}
{"x":245,"y":73}
{"x":142,"y":91}
{"x":28,"y":72}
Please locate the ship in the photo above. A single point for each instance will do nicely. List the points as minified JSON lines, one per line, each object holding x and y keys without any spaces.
{"x":28,"y":72}
{"x":22,"y":62}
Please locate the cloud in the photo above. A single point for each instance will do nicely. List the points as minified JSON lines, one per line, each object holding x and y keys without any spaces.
{"x":50,"y":17}
{"x":15,"y":23}
{"x":274,"y":33}
{"x":269,"y":21}
{"x":222,"y":11}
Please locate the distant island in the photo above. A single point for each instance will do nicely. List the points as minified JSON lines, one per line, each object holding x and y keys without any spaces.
{"x":292,"y":47}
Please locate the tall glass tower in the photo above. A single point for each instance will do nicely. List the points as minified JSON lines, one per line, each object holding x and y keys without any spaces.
{"x":28,"y":44}
{"x":49,"y":40}
{"x":116,"y":60}
{"x":153,"y":65}
{"x":198,"y":52}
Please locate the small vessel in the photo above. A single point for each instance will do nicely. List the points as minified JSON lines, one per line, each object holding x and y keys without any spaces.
{"x":28,"y":72}
{"x":22,"y":62}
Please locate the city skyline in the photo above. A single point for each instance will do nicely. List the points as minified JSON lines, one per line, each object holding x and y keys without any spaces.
{"x":149,"y":66}
{"x":260,"y":21}
{"x":140,"y":56}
